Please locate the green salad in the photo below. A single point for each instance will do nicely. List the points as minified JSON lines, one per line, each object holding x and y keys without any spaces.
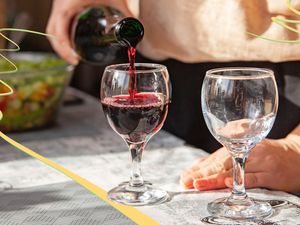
{"x":38,"y":87}
{"x":27,"y":65}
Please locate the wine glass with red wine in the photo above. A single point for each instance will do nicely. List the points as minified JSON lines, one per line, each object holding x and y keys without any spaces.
{"x":135,"y":102}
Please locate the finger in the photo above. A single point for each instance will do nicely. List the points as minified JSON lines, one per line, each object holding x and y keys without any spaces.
{"x":204,"y":170}
{"x":62,"y":44}
{"x":213,"y":167}
{"x":216,"y":181}
{"x":220,"y":159}
{"x":218,"y":162}
{"x":253,"y":180}
{"x":58,"y":26}
{"x":195,"y":165}
{"x":187,"y":179}
{"x":215,"y":163}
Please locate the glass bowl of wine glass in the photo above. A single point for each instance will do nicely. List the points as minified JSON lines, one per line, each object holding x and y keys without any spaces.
{"x":135,"y":102}
{"x":239,"y":107}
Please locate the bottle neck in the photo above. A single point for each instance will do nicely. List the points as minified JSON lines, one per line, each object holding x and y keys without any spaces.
{"x":100,"y":34}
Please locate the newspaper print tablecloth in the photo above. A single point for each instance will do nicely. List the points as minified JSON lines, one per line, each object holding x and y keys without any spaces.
{"x":57,"y":204}
{"x":83,"y":142}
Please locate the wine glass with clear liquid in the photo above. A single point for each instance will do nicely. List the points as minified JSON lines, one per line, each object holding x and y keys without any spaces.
{"x":239,"y":107}
{"x":135,"y":103}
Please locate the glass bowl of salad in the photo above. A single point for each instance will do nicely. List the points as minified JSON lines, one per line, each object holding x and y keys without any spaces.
{"x":38,"y":87}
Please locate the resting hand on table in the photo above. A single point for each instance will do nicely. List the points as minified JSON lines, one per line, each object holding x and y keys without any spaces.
{"x":273,"y":164}
{"x":62,"y":14}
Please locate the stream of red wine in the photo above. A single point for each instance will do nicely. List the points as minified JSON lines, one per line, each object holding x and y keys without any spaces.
{"x":132,"y":82}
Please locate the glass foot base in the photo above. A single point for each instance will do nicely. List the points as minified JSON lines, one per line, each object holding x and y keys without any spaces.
{"x":137,"y":196}
{"x":252,"y":210}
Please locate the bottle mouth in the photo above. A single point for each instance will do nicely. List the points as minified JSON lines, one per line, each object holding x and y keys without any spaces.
{"x":139,"y":68}
{"x":129,"y":32}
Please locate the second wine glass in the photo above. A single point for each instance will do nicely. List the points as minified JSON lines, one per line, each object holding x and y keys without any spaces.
{"x":239,"y":107}
{"x":135,"y":103}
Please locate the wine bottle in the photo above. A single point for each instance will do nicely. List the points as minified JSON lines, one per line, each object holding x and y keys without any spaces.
{"x":100,"y":35}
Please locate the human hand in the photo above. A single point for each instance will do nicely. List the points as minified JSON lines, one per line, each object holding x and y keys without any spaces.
{"x":62,"y":14}
{"x":273,"y":164}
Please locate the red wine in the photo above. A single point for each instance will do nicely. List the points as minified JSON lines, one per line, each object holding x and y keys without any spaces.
{"x":132,"y":82}
{"x":135,"y":121}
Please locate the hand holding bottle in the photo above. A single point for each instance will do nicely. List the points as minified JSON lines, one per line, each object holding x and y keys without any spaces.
{"x":62,"y":14}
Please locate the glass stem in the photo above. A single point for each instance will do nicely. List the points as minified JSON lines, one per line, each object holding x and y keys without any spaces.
{"x":136,"y":178}
{"x":238,"y":194}
{"x":239,"y":176}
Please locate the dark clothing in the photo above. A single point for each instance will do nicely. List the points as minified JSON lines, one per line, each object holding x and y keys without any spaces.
{"x":185,"y":118}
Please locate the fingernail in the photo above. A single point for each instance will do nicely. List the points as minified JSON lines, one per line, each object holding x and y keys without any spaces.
{"x":187,"y":181}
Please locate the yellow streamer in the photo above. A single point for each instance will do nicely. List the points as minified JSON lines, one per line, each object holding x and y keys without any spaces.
{"x":128,"y":211}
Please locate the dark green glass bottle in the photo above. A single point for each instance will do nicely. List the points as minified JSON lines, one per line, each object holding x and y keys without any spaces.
{"x":101,"y":35}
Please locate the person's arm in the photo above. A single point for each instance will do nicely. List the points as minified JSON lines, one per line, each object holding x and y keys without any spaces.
{"x":273,"y":164}
{"x":62,"y":14}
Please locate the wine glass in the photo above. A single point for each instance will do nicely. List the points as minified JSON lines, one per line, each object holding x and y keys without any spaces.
{"x":135,"y":102}
{"x":239,"y":107}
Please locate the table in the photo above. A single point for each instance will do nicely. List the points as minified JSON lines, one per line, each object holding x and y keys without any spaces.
{"x":83,"y":142}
